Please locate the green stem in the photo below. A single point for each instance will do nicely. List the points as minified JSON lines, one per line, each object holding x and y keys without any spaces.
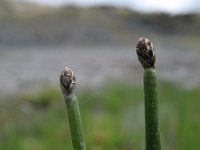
{"x":67,"y":83}
{"x":75,"y":124}
{"x":151,"y":111}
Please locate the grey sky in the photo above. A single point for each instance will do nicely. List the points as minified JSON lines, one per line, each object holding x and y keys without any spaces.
{"x":171,"y":6}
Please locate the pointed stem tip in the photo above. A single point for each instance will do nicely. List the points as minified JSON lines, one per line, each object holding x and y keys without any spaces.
{"x":146,"y":53}
{"x":67,"y":82}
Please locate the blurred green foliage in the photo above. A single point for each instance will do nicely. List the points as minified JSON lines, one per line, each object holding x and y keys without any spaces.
{"x":113,"y":118}
{"x":43,"y":98}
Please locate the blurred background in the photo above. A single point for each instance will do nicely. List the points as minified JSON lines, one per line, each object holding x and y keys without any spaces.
{"x":97,"y":40}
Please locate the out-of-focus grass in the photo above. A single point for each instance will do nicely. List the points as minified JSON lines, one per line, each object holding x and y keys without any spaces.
{"x":113,"y":118}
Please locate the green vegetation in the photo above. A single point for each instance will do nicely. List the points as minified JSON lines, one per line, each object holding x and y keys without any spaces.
{"x":112,"y":119}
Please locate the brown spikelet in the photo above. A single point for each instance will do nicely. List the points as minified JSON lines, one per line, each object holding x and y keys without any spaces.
{"x":67,"y":81}
{"x":146,"y":53}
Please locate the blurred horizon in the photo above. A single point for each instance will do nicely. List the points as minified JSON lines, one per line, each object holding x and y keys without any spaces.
{"x":143,"y":6}
{"x":25,"y":23}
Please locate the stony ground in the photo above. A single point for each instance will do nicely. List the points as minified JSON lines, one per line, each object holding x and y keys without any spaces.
{"x":28,"y":68}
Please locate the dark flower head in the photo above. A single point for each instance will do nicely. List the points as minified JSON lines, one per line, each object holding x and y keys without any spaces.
{"x":146,"y":53}
{"x":67,"y":81}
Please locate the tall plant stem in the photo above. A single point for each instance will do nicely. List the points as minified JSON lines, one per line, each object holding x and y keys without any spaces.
{"x":67,"y":83}
{"x":151,"y":110}
{"x":146,"y":56}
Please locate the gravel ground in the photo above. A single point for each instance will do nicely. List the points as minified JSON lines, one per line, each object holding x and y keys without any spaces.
{"x":29,"y":68}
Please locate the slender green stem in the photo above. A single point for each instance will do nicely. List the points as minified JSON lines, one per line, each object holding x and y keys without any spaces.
{"x":151,"y":111}
{"x":75,"y":124}
{"x":146,"y":56}
{"x":67,"y":82}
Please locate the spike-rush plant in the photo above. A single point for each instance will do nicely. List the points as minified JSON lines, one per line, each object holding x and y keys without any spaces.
{"x":146,"y":56}
{"x":67,"y":83}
